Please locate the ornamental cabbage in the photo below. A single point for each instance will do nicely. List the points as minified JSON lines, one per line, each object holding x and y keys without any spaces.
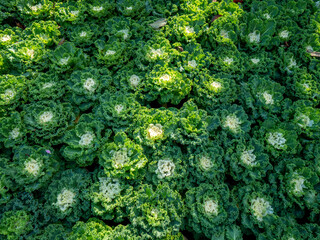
{"x":258,"y":205}
{"x":117,"y":109}
{"x":87,"y":85}
{"x":28,"y":52}
{"x":100,"y":8}
{"x":129,"y":79}
{"x":109,"y":196}
{"x":206,"y":162}
{"x":193,"y":125}
{"x":247,"y":160}
{"x":82,"y":35}
{"x":227,"y":59}
{"x":31,"y":10}
{"x":47,"y":119}
{"x":234,"y":121}
{"x":307,"y":118}
{"x":186,"y":27}
{"x":12,"y":130}
{"x":33,"y":167}
{"x":113,"y":53}
{"x":156,"y":50}
{"x":46,"y":86}
{"x":119,"y":27}
{"x":122,"y":158}
{"x":66,"y":57}
{"x":167,"y":165}
{"x":305,"y":86}
{"x":258,"y":33}
{"x":264,"y":96}
{"x":68,"y":196}
{"x":66,"y":12}
{"x":298,"y":183}
{"x":280,"y":137}
{"x":83,"y":141}
{"x":12,"y":90}
{"x":211,"y":210}
{"x":157,"y":212}
{"x":193,"y":58}
{"x":167,"y":85}
{"x":154,"y":126}
{"x":9,"y":36}
{"x":133,"y":8}
{"x":214,"y":90}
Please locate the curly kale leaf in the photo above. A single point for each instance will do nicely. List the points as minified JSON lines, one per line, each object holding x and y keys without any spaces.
{"x":93,"y":229}
{"x":46,"y":32}
{"x":14,"y":224}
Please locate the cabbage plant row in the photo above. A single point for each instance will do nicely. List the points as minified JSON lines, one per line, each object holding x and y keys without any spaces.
{"x":159,"y":119}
